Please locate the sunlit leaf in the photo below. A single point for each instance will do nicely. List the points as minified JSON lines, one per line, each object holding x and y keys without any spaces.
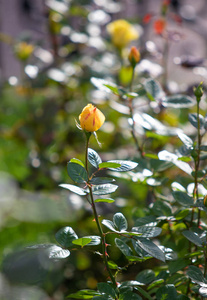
{"x":82,"y":241}
{"x":75,"y":189}
{"x":106,"y":200}
{"x":94,"y":158}
{"x":193,"y":237}
{"x":109,"y":164}
{"x":193,"y":118}
{"x":120,"y":222}
{"x":154,"y":89}
{"x":124,"y":165}
{"x":109,"y":224}
{"x":104,"y":85}
{"x":77,"y":161}
{"x":196,"y":275}
{"x":104,"y":189}
{"x":84,"y":294}
{"x":151,"y":248}
{"x":101,"y":180}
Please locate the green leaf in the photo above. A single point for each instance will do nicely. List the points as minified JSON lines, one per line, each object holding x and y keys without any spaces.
{"x":106,"y":200}
{"x":151,"y":248}
{"x":109,"y":224}
{"x":159,"y":165}
{"x":144,"y":293}
{"x":120,"y":221}
{"x":178,"y":265}
{"x":153,"y":89}
{"x":104,"y":85}
{"x":193,"y":118}
{"x":147,"y":231}
{"x":193,"y":237}
{"x":196,"y":275}
{"x":146,"y":276}
{"x":167,"y":292}
{"x":101,"y":180}
{"x":123,"y":247}
{"x":109,"y":165}
{"x":82,"y":241}
{"x":65,"y":236}
{"x":104,"y":189}
{"x":162,"y":208}
{"x":185,"y":139}
{"x":129,"y":296}
{"x":94,"y":158}
{"x":150,"y":220}
{"x":102,"y":298}
{"x":77,"y":161}
{"x":77,"y":173}
{"x":95,"y":240}
{"x":105,"y":288}
{"x":183,"y":198}
{"x":178,"y":101}
{"x":124,"y":165}
{"x":112,"y":265}
{"x":84,"y":294}
{"x":167,"y":156}
{"x":75,"y":189}
{"x":155,"y":284}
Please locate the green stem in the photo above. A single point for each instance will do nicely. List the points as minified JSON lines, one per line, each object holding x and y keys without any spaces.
{"x":139,"y":148}
{"x":103,"y":239}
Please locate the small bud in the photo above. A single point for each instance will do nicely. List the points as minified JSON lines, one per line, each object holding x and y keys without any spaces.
{"x":198,"y":91}
{"x":134,"y":56}
{"x":159,"y":26}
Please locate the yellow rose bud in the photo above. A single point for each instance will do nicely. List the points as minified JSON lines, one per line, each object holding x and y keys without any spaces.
{"x":122,"y":33}
{"x":91,"y":118}
{"x":134,"y":56}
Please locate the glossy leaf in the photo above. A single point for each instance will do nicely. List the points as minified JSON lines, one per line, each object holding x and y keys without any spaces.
{"x":94,"y":158}
{"x":153,"y":89}
{"x":95,"y":240}
{"x":109,"y":224}
{"x":196,"y":275}
{"x":185,"y":139}
{"x":101,"y":180}
{"x":106,"y":200}
{"x":147,"y":231}
{"x":104,"y":189}
{"x":105,"y":288}
{"x":65,"y":236}
{"x":120,"y":221}
{"x":129,"y":296}
{"x":77,"y":173}
{"x":183,"y":198}
{"x":203,"y":291}
{"x":178,"y":265}
{"x":151,"y":248}
{"x":123,"y":247}
{"x":124,"y":165}
{"x":193,"y":237}
{"x":75,"y":189}
{"x":82,"y":241}
{"x":178,"y":101}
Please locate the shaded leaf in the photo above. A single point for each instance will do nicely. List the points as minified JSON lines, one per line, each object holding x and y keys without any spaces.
{"x":153,"y":89}
{"x":123,"y":247}
{"x":65,"y":236}
{"x":94,"y":158}
{"x":75,"y":189}
{"x":167,"y":292}
{"x":178,"y":101}
{"x":193,"y":118}
{"x":104,"y":85}
{"x":193,"y":237}
{"x":151,"y":248}
{"x":109,"y":224}
{"x":105,"y":288}
{"x":84,"y":294}
{"x":147,"y":231}
{"x":196,"y":275}
{"x":129,"y":296}
{"x":77,"y":173}
{"x":185,"y":139}
{"x":146,"y":276}
{"x":183,"y":198}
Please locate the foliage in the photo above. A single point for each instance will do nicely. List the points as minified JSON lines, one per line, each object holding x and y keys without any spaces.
{"x":62,"y":233}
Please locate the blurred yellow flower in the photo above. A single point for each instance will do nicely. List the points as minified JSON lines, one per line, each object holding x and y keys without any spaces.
{"x":23,"y":50}
{"x":122,"y":33}
{"x":91,"y":118}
